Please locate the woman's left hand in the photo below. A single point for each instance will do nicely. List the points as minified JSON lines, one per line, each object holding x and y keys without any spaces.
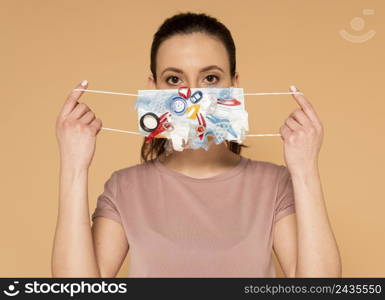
{"x":302,"y":134}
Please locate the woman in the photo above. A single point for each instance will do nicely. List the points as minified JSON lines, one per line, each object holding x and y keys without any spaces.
{"x":194,"y":213}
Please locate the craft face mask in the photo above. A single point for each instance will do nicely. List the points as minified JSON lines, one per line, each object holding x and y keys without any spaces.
{"x":190,"y":117}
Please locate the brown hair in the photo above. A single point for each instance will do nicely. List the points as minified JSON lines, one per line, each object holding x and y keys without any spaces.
{"x":184,"y":23}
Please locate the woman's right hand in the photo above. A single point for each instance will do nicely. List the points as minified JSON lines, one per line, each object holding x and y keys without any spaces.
{"x":76,"y":131}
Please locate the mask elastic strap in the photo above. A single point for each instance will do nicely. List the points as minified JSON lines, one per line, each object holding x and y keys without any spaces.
{"x":136,"y":95}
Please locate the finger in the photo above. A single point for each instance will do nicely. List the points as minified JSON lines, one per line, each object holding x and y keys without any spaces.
{"x":292,"y":124}
{"x":96,"y":124}
{"x":78,"y":111}
{"x":88,"y":117}
{"x":305,"y":104}
{"x":285,"y":131}
{"x":300,"y":116}
{"x":72,"y":98}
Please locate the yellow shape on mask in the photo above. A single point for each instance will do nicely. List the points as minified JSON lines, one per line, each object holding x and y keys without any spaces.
{"x":191,"y":111}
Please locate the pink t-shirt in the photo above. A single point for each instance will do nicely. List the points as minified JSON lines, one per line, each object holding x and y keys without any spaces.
{"x":181,"y":226}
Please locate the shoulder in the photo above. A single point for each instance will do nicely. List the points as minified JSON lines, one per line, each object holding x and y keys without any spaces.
{"x":135,"y":170}
{"x":267,"y":171}
{"x":124,"y":179}
{"x":266,"y":167}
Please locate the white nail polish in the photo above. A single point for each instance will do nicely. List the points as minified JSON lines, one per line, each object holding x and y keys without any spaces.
{"x":84,"y":83}
{"x":293,"y":88}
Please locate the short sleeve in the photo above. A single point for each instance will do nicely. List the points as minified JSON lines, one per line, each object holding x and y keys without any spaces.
{"x":106,"y":202}
{"x":285,"y":204}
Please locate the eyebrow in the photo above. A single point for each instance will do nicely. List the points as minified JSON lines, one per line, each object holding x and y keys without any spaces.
{"x":205,"y":69}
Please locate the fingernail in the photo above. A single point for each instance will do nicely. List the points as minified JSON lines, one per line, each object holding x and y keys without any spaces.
{"x":84,"y":83}
{"x":293,"y":88}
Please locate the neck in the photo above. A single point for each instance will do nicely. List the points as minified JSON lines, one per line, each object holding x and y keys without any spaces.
{"x":216,"y":155}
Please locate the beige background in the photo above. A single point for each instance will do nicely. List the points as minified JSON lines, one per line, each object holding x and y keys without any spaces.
{"x":49,"y":46}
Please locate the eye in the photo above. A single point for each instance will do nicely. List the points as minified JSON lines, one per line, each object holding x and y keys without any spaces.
{"x":172,"y":80}
{"x":212,"y":78}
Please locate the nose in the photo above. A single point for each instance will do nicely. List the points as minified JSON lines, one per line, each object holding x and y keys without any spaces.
{"x":193,"y":82}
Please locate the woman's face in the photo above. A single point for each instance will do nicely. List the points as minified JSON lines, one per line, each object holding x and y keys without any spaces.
{"x":195,"y":60}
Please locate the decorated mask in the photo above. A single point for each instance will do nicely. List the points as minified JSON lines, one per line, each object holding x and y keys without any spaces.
{"x":189,"y":117}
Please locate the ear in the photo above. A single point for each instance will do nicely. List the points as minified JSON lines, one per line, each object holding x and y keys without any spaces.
{"x":235,"y":81}
{"x":151,"y":82}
